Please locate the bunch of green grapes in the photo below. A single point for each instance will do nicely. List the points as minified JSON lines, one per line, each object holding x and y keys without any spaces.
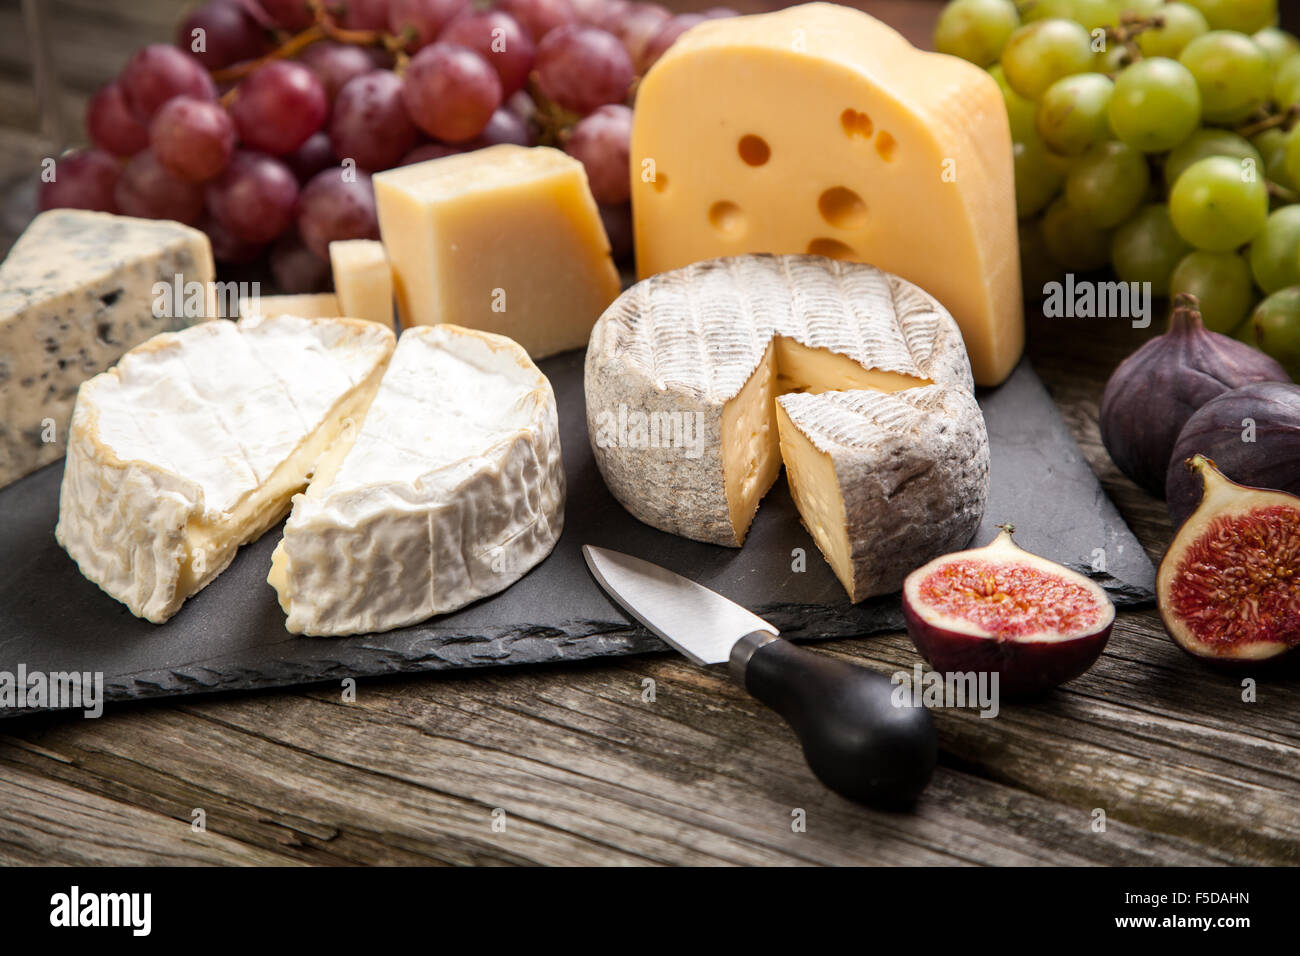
{"x":1160,"y":138}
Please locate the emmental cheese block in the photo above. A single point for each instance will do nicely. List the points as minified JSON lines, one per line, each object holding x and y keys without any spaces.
{"x":451,"y":489}
{"x":818,"y":129}
{"x":78,"y":290}
{"x":701,"y":381}
{"x":310,"y":305}
{"x":363,"y":279}
{"x":505,"y":239}
{"x":195,"y":442}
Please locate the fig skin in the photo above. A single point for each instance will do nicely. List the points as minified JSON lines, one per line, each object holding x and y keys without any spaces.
{"x":1222,"y":497}
{"x":1027,"y":666}
{"x":1154,"y":391}
{"x":1271,"y":461}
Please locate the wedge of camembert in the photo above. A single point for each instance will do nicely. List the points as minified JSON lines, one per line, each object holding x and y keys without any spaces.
{"x":195,"y":442}
{"x":451,"y":489}
{"x":701,"y":381}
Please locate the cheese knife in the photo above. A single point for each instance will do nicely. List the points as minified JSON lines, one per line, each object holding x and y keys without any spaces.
{"x":856,"y":739}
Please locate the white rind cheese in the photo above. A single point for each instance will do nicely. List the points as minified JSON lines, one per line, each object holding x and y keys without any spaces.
{"x":450,"y":490}
{"x":195,"y":442}
{"x":76,"y":292}
{"x":684,"y":371}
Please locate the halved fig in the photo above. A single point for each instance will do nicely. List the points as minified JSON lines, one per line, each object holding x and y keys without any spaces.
{"x":1229,"y":585}
{"x":1000,"y":609}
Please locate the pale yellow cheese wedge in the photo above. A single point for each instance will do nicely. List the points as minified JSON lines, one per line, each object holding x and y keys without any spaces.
{"x":319,"y":305}
{"x":818,"y":129}
{"x":363,"y":279}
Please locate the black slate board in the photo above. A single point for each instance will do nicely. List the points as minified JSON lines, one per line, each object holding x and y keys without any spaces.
{"x":231,"y":636}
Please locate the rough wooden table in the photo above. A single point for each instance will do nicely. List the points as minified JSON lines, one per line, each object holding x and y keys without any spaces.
{"x":582,"y":769}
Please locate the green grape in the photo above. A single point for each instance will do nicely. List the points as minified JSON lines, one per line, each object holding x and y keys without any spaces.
{"x":1244,"y":16}
{"x":1221,"y":281}
{"x":1049,"y":10}
{"x":1021,"y":113}
{"x":1111,"y":60}
{"x":1208,"y":142}
{"x":1072,"y":113}
{"x":1272,"y":144}
{"x":1183,"y":24}
{"x":1147,"y":248}
{"x":1041,"y":53}
{"x":1286,"y":82}
{"x":1275,"y":328}
{"x":1217,"y":204}
{"x":1072,"y":239}
{"x":1275,"y":253}
{"x":1293,"y":155}
{"x":1278,"y":44}
{"x":1036,"y":180}
{"x":976,"y":30}
{"x":1108,"y":183}
{"x":1233,"y":73}
{"x":1094,"y":14}
{"x":1156,"y":104}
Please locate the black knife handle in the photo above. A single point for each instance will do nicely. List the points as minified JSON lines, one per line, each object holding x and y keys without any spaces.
{"x":855,"y":739}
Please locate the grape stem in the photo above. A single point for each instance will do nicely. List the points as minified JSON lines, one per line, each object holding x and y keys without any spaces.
{"x":1284,"y":118}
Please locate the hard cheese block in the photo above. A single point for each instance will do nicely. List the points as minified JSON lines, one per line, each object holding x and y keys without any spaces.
{"x":885,"y":447}
{"x":77,"y":290}
{"x":505,"y":239}
{"x":820,"y":130}
{"x":196,"y":441}
{"x":450,"y":490}
{"x":312,"y":305}
{"x":363,"y":279}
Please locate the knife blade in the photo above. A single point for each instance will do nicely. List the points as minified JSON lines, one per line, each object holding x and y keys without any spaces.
{"x":860,"y":738}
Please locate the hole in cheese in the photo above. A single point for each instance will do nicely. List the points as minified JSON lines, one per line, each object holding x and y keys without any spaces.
{"x":885,"y":145}
{"x":830,"y":248}
{"x":727,"y":218}
{"x":856,"y":124}
{"x":660,"y":182}
{"x":842,"y":208}
{"x":754,"y":150}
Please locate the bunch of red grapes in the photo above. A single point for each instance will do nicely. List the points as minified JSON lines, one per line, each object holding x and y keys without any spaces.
{"x":263,"y":123}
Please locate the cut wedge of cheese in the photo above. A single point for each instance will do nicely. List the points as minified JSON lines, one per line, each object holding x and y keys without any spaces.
{"x":451,"y":489}
{"x":310,"y":305}
{"x":689,"y":371}
{"x":77,"y":290}
{"x":195,"y":442}
{"x":363,"y":279}
{"x":818,"y":129}
{"x":505,"y":239}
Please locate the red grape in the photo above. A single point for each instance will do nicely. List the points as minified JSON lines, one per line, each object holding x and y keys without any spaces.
{"x":226,"y":246}
{"x":498,"y":38}
{"x":450,"y":92}
{"x":337,"y":204}
{"x":638,"y":24}
{"x":425,"y":18}
{"x":336,"y":63}
{"x":430,"y":151}
{"x":147,"y":190}
{"x":540,"y":17}
{"x":293,"y":15}
{"x":719,"y":13}
{"x":157,"y":73}
{"x":230,"y":34}
{"x":362,"y":14}
{"x":112,"y":126}
{"x":591,"y":12}
{"x":370,"y":124}
{"x":600,"y":142}
{"x":295,"y":268}
{"x":193,"y":139}
{"x":504,"y":127}
{"x":83,"y":179}
{"x":311,"y":157}
{"x":581,"y":68}
{"x":617,"y":221}
{"x":668,"y":36}
{"x":254,"y":198}
{"x":278,"y":106}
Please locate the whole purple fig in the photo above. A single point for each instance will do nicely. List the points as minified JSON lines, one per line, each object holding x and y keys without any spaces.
{"x":1153,"y":393}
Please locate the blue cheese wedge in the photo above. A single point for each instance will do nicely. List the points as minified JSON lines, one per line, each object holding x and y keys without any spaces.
{"x":451,"y":489}
{"x":77,"y":291}
{"x":196,"y":442}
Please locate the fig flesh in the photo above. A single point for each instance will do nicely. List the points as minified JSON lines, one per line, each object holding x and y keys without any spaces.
{"x":1001,"y":609}
{"x":1228,"y":588}
{"x":1154,"y":391}
{"x":1252,"y":434}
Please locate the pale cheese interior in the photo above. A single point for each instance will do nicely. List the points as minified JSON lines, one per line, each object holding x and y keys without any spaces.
{"x":816,"y":492}
{"x":363,"y":280}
